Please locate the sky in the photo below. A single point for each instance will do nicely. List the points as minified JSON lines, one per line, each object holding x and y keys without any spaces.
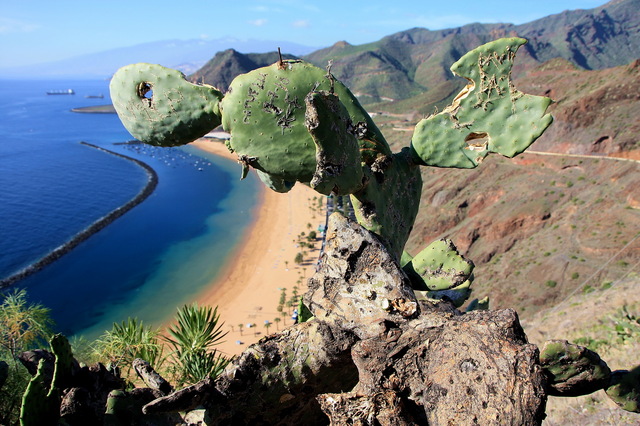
{"x":37,"y":31}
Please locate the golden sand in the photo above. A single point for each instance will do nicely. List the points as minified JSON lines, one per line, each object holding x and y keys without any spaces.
{"x":248,"y":290}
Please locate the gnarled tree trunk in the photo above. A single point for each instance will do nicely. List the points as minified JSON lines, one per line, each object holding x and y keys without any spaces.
{"x":374,"y":354}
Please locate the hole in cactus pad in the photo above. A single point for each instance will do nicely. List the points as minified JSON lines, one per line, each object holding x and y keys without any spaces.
{"x":477,"y":141}
{"x":145,"y":92}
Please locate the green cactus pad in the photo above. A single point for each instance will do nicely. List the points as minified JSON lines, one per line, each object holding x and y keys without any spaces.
{"x":64,"y":361}
{"x":41,"y":402}
{"x":159,"y":107}
{"x":264,"y":111}
{"x":39,"y":405}
{"x":440,"y":266}
{"x":489,"y":115}
{"x":573,"y":370}
{"x":457,"y":295}
{"x":274,"y":183}
{"x":478,"y":305}
{"x":338,"y":160}
{"x":624,"y":389}
{"x":388,"y":204}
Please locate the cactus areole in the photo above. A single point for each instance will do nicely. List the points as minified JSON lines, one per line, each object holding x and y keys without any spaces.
{"x":294,"y":122}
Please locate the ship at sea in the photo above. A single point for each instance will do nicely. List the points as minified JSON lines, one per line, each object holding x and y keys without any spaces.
{"x":61,"y":92}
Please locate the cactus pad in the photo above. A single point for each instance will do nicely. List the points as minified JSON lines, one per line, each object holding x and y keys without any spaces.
{"x":264,"y":111}
{"x":478,"y":305}
{"x":274,"y":183}
{"x":624,"y":389}
{"x":489,"y":114}
{"x":456,"y":295}
{"x":338,"y":160}
{"x":388,"y":204}
{"x":441,"y":267}
{"x":573,"y":370}
{"x":159,"y":107}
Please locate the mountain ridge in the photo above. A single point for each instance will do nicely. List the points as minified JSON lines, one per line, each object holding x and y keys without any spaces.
{"x":603,"y":37}
{"x":416,"y":61}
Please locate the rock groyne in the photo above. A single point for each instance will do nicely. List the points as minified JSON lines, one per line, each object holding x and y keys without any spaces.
{"x":96,"y":226}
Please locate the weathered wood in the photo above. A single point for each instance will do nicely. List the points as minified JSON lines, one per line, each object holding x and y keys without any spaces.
{"x":151,"y":378}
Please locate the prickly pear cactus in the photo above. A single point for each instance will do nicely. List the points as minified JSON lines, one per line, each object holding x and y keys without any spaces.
{"x":41,"y":400}
{"x":573,"y":370}
{"x":439,"y":266}
{"x":338,"y":159}
{"x":624,"y":389}
{"x":264,"y":110}
{"x":294,"y":122}
{"x":489,"y":115}
{"x":159,"y":107}
{"x":388,"y":204}
{"x":478,"y":305}
{"x":38,"y":408}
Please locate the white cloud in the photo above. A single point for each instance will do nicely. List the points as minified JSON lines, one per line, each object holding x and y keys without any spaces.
{"x":258,"y":22}
{"x":301,"y":23}
{"x":8,"y":26}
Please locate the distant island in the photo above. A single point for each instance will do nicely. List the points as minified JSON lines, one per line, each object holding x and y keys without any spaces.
{"x":99,"y":109}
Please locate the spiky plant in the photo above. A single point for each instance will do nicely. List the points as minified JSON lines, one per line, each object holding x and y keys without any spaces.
{"x":130,"y":340}
{"x":193,"y":338}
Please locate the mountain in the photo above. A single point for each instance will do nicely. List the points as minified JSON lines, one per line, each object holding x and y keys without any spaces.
{"x":411,"y":67}
{"x":418,"y":60}
{"x":186,"y":55}
{"x":226,"y":65}
{"x":595,"y":111}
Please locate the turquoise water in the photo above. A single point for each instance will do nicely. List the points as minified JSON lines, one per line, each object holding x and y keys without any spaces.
{"x":146,"y":263}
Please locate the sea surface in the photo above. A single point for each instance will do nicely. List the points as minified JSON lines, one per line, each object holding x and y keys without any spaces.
{"x":145,"y":264}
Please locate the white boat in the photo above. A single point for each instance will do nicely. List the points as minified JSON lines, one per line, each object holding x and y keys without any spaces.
{"x":61,"y":92}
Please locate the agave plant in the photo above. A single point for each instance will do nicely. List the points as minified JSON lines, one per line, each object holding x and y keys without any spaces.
{"x":193,"y":339}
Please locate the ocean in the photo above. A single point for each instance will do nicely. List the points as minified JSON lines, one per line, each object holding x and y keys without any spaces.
{"x":146,"y":263}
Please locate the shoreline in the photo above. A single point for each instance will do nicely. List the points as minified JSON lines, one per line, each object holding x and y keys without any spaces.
{"x":97,"y":226}
{"x":247,"y":290}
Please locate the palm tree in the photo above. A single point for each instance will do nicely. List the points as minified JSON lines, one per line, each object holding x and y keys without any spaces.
{"x":277,"y":321}
{"x":240,"y":328}
{"x":267,"y":324}
{"x":195,"y":336}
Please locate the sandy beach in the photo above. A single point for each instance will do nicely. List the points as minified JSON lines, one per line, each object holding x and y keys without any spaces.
{"x":248,"y":290}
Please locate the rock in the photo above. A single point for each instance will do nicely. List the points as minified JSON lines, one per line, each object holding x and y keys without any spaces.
{"x":373,"y":354}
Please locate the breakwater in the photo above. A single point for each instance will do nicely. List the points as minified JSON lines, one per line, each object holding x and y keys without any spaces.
{"x":96,"y":226}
